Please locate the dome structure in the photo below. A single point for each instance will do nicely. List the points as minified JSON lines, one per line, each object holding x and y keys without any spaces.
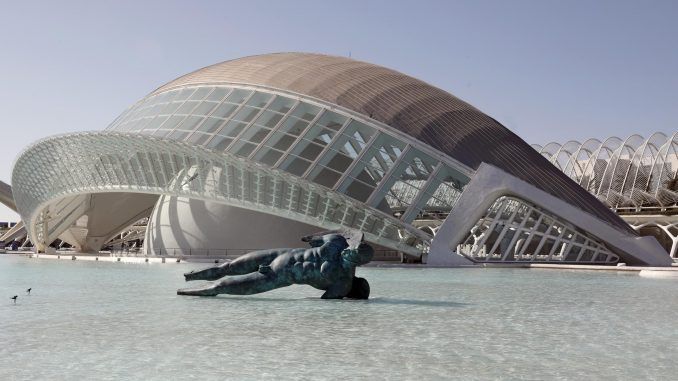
{"x":326,"y":142}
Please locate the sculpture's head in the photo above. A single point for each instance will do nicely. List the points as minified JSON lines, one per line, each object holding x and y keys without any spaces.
{"x":360,"y":289}
{"x":359,"y":256}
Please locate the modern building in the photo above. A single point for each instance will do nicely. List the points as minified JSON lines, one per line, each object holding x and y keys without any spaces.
{"x":255,"y":152}
{"x":636,"y":177}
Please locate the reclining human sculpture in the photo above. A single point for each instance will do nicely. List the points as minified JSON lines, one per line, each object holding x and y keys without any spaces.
{"x":328,"y":265}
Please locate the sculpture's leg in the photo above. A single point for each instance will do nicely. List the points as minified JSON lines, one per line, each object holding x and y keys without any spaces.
{"x":253,"y":283}
{"x":242,"y":265}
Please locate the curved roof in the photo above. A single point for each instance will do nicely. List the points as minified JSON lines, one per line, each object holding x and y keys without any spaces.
{"x":427,"y":113}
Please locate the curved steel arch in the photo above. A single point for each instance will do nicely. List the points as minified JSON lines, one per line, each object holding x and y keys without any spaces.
{"x":65,"y":168}
{"x":633,"y":173}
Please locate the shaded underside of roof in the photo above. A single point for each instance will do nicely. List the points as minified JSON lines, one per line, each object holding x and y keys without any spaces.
{"x":428,"y":114}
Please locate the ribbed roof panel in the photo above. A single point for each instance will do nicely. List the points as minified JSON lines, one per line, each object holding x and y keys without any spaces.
{"x":429,"y":114}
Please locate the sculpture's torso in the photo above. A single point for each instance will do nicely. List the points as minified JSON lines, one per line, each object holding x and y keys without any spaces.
{"x":314,"y":267}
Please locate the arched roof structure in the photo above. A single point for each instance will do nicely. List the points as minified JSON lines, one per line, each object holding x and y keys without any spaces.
{"x":416,"y":108}
{"x":329,"y":142}
{"x":635,"y":174}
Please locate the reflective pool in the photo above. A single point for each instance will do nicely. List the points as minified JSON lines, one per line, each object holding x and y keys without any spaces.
{"x":114,"y":321}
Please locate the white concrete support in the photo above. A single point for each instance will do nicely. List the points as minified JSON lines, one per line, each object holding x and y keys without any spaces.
{"x":490,"y":183}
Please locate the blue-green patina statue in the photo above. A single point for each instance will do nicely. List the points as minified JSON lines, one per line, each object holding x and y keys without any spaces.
{"x":328,"y":265}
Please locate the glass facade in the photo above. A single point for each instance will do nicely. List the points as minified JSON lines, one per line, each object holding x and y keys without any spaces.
{"x":326,"y":147}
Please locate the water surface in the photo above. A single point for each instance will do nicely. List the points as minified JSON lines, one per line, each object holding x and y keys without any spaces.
{"x":118,"y":321}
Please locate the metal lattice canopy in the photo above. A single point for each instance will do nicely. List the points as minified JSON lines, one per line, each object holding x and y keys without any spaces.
{"x":635,"y":174}
{"x":52,"y":176}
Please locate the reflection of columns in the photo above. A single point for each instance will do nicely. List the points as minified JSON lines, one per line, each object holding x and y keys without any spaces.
{"x":40,"y":242}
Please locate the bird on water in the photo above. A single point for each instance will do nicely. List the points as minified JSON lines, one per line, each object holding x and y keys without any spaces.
{"x":29,"y":290}
{"x":14,"y":298}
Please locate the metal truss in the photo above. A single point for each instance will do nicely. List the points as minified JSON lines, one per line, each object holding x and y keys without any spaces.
{"x":630,"y":176}
{"x":513,"y":230}
{"x":53,"y":177}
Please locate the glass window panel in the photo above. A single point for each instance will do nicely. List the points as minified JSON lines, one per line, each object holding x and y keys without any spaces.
{"x":156,"y":122}
{"x":350,"y":149}
{"x":310,"y":151}
{"x":282,"y":141}
{"x":224,"y":110}
{"x":198,"y":138}
{"x":170,"y":108}
{"x":269,"y":119}
{"x":219,"y":143}
{"x":210,"y":125}
{"x":154,"y":110}
{"x":184,"y":94}
{"x":187,"y":107}
{"x":171,"y":95}
{"x":359,"y":191}
{"x":587,"y":255}
{"x":296,"y":166}
{"x":238,"y":96}
{"x":382,"y":155}
{"x":246,"y":114}
{"x":544,"y":226}
{"x":259,"y":100}
{"x":367,"y":178}
{"x":245,"y":150}
{"x":443,"y":197}
{"x":293,"y":126}
{"x":204,"y":108}
{"x":232,"y":128}
{"x":331,"y":120}
{"x":305,"y":111}
{"x":137,"y":124}
{"x":218,"y":94}
{"x":178,"y":135}
{"x":324,"y":176}
{"x":281,"y":104}
{"x":160,"y":98}
{"x":401,"y":195}
{"x":257,"y":135}
{"x":190,"y":122}
{"x":161,"y":133}
{"x":339,"y":162}
{"x":578,"y":238}
{"x":173,"y":121}
{"x":200,"y":93}
{"x":360,"y":132}
{"x":271,"y":157}
{"x":322,"y":137}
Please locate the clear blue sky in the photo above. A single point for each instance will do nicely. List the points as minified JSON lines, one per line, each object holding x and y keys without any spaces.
{"x":548,"y":70}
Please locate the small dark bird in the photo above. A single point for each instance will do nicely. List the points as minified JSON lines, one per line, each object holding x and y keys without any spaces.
{"x":29,"y":290}
{"x":14,"y":298}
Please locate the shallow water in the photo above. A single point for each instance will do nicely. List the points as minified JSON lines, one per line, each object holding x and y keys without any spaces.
{"x":117,"y":321}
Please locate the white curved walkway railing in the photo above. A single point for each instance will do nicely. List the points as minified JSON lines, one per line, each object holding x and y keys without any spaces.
{"x":61,"y":169}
